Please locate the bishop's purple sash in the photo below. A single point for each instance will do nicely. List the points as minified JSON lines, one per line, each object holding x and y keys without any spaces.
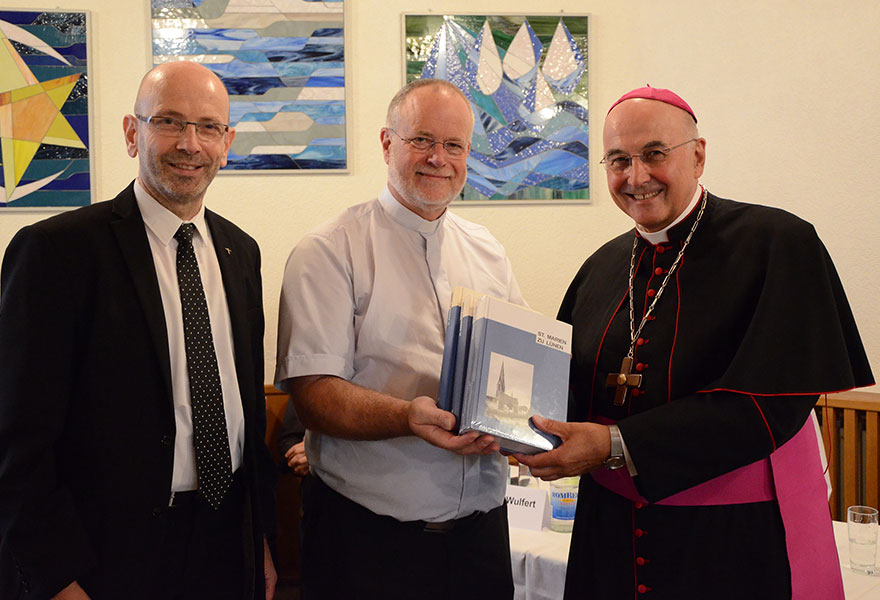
{"x":793,"y":476}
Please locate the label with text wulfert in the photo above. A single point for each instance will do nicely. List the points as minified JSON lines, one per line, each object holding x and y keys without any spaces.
{"x":527,"y":507}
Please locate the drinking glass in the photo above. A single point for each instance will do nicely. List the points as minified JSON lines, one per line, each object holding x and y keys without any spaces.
{"x":862,"y":526}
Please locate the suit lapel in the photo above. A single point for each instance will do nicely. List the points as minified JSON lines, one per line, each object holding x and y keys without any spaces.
{"x":234,"y":285}
{"x":131,"y":235}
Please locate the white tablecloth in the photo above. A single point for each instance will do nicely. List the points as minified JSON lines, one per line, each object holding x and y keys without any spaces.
{"x":539,"y":560}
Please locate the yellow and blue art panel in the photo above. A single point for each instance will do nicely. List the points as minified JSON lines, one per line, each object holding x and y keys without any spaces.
{"x":44,"y":109}
{"x":283,"y":64}
{"x":527,"y":81}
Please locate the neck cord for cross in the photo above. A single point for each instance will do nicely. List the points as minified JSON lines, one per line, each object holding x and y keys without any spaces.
{"x":634,"y":333}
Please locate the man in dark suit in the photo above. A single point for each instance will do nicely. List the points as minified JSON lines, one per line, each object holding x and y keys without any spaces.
{"x":132,"y":413}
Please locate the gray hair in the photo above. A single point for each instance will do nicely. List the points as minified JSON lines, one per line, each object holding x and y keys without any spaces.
{"x":402,"y":93}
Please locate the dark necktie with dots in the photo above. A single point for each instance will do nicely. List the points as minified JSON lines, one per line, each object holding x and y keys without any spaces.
{"x":211,"y":441}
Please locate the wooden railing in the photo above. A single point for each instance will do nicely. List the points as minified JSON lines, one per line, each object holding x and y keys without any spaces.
{"x":851,"y":445}
{"x":287,"y":494}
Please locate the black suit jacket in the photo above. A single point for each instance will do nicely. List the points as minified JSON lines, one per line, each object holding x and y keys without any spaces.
{"x":86,"y":416}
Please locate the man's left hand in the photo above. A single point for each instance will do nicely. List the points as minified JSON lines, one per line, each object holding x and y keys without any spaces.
{"x":297,"y":459}
{"x":269,"y":571}
{"x":584,"y":447}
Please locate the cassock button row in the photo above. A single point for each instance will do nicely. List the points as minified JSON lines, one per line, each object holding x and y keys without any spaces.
{"x":635,"y":392}
{"x":641,"y":342}
{"x":639,"y":533}
{"x":652,"y":293}
{"x":661,"y":249}
{"x":643,"y":588}
{"x":658,"y":271}
{"x":640,"y":366}
{"x":641,"y":561}
{"x":639,"y":504}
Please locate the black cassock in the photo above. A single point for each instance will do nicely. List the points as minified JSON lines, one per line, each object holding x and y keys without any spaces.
{"x":750,"y":329}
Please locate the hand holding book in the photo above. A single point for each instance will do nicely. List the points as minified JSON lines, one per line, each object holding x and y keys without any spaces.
{"x":584,"y":448}
{"x":435,"y":427}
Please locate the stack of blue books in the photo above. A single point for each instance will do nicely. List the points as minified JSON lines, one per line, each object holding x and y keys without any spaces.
{"x":502,"y":364}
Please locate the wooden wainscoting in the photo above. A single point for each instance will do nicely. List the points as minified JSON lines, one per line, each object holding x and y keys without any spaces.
{"x":287,"y":495}
{"x":850,"y":423}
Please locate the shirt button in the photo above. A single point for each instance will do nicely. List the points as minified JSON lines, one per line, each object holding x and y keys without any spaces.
{"x":652,"y":293}
{"x":167,"y":440}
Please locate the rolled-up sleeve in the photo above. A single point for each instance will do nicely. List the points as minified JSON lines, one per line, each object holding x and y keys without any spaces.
{"x":316,"y":312}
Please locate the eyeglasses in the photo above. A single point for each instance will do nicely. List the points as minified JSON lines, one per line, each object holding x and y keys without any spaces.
{"x":423,"y":144}
{"x":618,"y":163}
{"x":206,"y":130}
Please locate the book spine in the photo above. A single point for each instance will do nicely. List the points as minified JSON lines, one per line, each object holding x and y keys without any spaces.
{"x":447,"y":371}
{"x":471,"y":399}
{"x":461,"y":355}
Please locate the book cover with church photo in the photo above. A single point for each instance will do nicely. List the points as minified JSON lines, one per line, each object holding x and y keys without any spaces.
{"x":518,"y":367}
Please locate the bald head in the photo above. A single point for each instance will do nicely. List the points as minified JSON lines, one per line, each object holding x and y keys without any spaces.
{"x":641,"y":113}
{"x":169,"y":78}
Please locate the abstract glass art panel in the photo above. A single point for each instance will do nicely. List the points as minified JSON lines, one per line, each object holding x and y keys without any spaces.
{"x":282,"y":62}
{"x":527,"y":81}
{"x":44,"y":109}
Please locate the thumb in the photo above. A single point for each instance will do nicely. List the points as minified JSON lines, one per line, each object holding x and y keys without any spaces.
{"x":549,"y":425}
{"x":427,"y":413}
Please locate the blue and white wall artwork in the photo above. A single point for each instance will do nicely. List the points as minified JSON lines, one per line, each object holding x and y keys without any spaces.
{"x":283,"y":64}
{"x":527,"y":80}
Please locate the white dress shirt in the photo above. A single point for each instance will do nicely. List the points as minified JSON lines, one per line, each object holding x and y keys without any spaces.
{"x":161,"y":225}
{"x":365,"y":298}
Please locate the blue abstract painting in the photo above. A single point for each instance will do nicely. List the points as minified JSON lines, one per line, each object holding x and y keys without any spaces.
{"x":283,"y":65}
{"x":44,"y":110}
{"x":527,"y":80}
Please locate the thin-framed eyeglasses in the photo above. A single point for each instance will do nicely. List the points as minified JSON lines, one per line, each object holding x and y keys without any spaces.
{"x":206,"y":130}
{"x":424,"y":144}
{"x":618,"y":163}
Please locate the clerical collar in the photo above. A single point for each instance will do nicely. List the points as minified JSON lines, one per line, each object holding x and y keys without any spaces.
{"x":662,"y":236}
{"x":406,"y":217}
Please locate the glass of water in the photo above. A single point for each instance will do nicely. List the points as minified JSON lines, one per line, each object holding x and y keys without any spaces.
{"x":862,"y":526}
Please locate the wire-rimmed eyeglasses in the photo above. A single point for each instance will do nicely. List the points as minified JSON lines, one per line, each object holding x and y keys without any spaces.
{"x":206,"y":130}
{"x":423,"y":144}
{"x":618,"y":163}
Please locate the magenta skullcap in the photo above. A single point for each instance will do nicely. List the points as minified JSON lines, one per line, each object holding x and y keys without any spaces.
{"x":650,"y":93}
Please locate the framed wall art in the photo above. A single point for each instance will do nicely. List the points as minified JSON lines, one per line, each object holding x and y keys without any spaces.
{"x":527,"y":80}
{"x":283,"y":66}
{"x":44,"y":110}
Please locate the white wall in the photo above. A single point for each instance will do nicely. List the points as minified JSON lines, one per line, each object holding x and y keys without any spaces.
{"x":786,"y":93}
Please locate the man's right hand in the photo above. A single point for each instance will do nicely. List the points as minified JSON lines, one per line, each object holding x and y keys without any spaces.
{"x":435,"y":427}
{"x":71,"y":592}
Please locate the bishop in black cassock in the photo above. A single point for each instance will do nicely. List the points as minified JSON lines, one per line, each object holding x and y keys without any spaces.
{"x":751,"y":326}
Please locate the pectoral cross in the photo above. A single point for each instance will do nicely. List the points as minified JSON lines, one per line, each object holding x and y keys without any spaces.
{"x":623,"y":380}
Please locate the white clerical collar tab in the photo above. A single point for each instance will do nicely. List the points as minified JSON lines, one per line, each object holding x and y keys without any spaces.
{"x":662,"y":236}
{"x":406,"y":217}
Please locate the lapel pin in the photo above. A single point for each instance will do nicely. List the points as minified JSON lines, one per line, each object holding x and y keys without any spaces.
{"x":228,"y":251}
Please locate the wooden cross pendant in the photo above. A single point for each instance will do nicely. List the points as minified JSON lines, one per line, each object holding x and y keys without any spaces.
{"x":623,"y":380}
